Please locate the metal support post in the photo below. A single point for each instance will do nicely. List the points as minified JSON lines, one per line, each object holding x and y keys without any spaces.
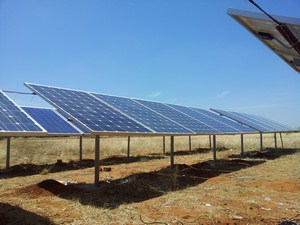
{"x":97,"y":161}
{"x":164,"y":145}
{"x":275,"y":140}
{"x":80,"y":148}
{"x":242,"y":144}
{"x":261,"y":141}
{"x":7,"y":152}
{"x":210,"y":142}
{"x":190,"y":143}
{"x":172,"y":154}
{"x":214,"y":148}
{"x":128,"y":147}
{"x":281,"y":140}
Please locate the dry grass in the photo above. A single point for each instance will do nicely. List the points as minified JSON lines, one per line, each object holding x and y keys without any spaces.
{"x":48,"y":150}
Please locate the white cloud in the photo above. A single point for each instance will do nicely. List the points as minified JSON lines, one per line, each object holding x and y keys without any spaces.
{"x":223,"y":94}
{"x":155,"y":94}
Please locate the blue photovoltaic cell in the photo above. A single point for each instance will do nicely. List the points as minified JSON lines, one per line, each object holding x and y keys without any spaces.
{"x":50,"y":121}
{"x":215,"y":121}
{"x":224,"y":120}
{"x":13,"y":119}
{"x":76,"y":123}
{"x":180,"y":118}
{"x":88,"y":110}
{"x":272,"y":123}
{"x":253,"y":121}
{"x":147,"y":117}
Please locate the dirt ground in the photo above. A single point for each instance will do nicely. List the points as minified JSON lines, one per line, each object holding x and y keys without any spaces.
{"x":262,"y":188}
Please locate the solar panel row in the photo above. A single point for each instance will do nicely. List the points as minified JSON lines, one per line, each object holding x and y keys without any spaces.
{"x":83,"y":112}
{"x":110,"y":114}
{"x":258,"y":123}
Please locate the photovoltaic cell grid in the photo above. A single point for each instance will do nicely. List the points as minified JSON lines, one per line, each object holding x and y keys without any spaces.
{"x":224,"y":120}
{"x":51,"y":121}
{"x":219,"y":123}
{"x":274,"y":123}
{"x":179,"y":117}
{"x":13,"y":119}
{"x":88,"y":110}
{"x":261,"y":124}
{"x":100,"y":113}
{"x":74,"y":122}
{"x":145,"y":116}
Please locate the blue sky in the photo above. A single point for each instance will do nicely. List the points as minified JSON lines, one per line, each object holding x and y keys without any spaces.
{"x":188,"y":52}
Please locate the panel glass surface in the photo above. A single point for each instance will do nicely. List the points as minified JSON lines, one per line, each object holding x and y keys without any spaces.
{"x":50,"y":121}
{"x":226,"y":121}
{"x":279,"y":126}
{"x":13,"y":119}
{"x":269,"y":124}
{"x":179,"y":117}
{"x":149,"y":118}
{"x":76,"y":123}
{"x":243,"y":120}
{"x":251,"y":121}
{"x":213,"y":120}
{"x":94,"y":114}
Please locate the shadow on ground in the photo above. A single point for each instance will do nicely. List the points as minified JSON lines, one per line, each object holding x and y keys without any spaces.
{"x":196,"y":151}
{"x":33,"y":169}
{"x":15,"y":215}
{"x":266,"y":153}
{"x":138,"y":187}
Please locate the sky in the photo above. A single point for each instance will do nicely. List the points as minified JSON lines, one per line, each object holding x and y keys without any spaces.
{"x":187,"y":52}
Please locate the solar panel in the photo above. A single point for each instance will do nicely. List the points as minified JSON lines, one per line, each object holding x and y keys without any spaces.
{"x":74,"y":122}
{"x":147,"y":117}
{"x":224,"y":120}
{"x":253,"y":121}
{"x":217,"y":122}
{"x":14,"y":120}
{"x":81,"y":106}
{"x":187,"y":121}
{"x":271,"y":122}
{"x":272,"y":35}
{"x":51,"y":121}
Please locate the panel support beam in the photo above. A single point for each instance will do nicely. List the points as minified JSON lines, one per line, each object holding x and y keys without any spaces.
{"x":261,"y":141}
{"x":164,"y":145}
{"x":97,"y":159}
{"x":242,"y":144}
{"x":210,"y":147}
{"x":80,"y":148}
{"x":172,"y":153}
{"x":190,"y":143}
{"x":128,"y":147}
{"x":7,"y":152}
{"x":214,"y":148}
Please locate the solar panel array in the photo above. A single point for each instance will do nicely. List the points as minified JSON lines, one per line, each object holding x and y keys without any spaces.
{"x":222,"y":124}
{"x":258,"y":123}
{"x":88,"y":110}
{"x":106,"y":114}
{"x":51,"y":121}
{"x":179,"y":117}
{"x":14,"y":120}
{"x":157,"y":123}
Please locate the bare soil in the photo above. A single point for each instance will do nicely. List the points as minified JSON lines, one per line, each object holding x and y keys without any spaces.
{"x":261,"y":188}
